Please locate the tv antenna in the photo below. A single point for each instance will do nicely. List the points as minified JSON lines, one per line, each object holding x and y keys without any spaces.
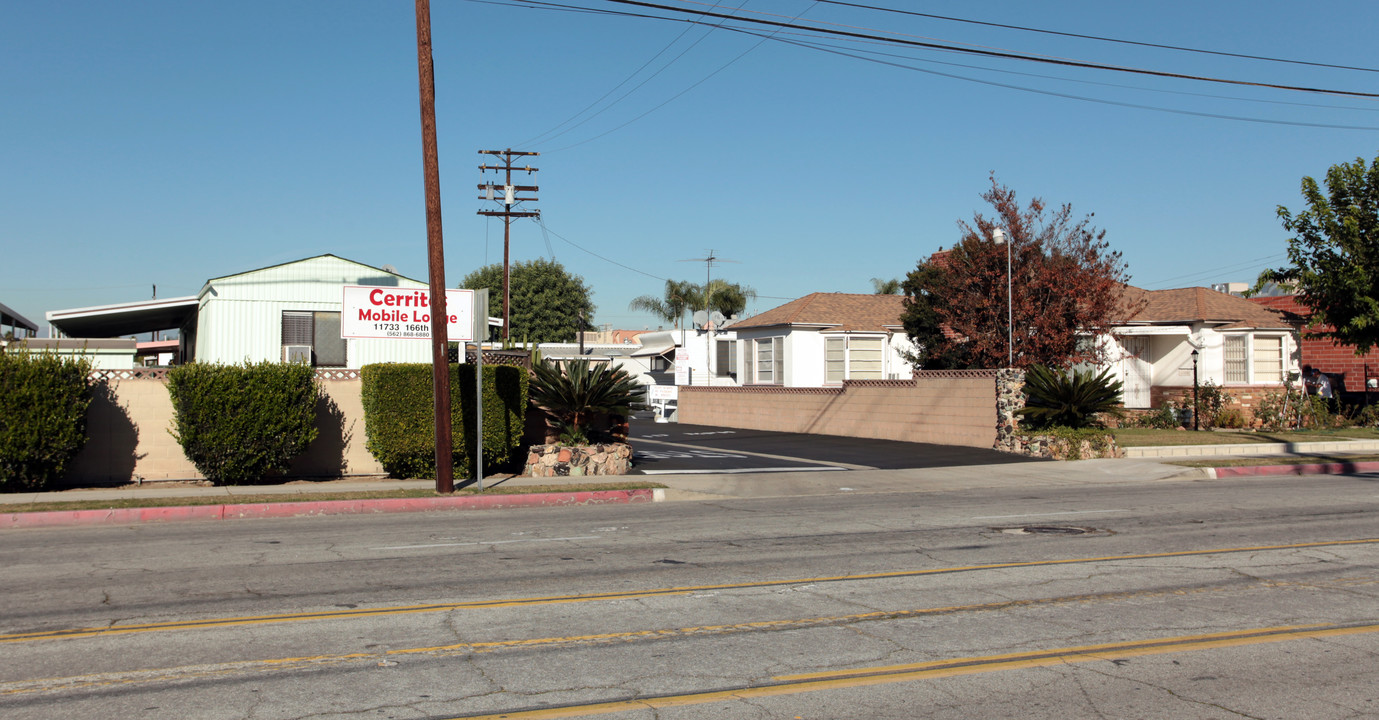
{"x":708,"y":261}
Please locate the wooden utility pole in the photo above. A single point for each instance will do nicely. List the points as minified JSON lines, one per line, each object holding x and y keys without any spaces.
{"x":507,"y":194}
{"x":435,"y":252}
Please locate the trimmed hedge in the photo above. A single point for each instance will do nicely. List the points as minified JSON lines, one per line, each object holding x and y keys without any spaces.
{"x":43,"y":401}
{"x":237,"y":423}
{"x":399,"y":416}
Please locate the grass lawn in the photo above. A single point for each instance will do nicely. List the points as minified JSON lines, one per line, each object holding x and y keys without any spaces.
{"x":306,"y":497}
{"x":1149,"y":437}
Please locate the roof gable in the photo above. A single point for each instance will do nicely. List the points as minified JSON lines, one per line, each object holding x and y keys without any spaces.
{"x":313,"y":279}
{"x":1196,"y":305}
{"x":833,"y":311}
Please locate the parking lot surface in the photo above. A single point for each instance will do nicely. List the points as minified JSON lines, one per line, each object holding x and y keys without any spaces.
{"x":660,"y":448}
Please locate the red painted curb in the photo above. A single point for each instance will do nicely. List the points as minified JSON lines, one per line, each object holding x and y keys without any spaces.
{"x":128,"y":516}
{"x":1335,"y":468}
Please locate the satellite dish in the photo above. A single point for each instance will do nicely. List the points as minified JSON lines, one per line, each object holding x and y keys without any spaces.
{"x":390,"y":269}
{"x":700,"y":317}
{"x":717,"y":318}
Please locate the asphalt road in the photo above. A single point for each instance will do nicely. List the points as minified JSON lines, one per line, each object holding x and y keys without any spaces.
{"x":1215,"y":599}
{"x":675,"y":448}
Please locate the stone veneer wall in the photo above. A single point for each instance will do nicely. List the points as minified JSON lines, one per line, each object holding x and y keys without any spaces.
{"x":1010,"y":397}
{"x":577,"y":461}
{"x":950,"y":407}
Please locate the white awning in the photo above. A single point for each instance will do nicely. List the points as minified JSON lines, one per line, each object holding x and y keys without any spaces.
{"x":1152,"y":330}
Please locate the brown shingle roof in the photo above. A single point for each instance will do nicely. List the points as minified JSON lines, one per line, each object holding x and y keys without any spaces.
{"x":834,"y":311}
{"x":1198,"y":304}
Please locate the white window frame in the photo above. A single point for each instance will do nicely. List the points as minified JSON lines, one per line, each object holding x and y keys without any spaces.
{"x":1251,"y":369}
{"x":768,"y":351}
{"x":842,"y":363}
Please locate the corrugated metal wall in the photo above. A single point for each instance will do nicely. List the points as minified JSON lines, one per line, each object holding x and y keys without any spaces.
{"x":241,"y":315}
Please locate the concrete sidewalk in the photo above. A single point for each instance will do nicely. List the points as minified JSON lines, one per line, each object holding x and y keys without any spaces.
{"x":302,"y":498}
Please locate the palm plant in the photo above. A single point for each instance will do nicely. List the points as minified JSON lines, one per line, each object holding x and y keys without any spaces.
{"x":887,"y":287}
{"x":575,"y":391}
{"x":727,"y":298}
{"x":681,"y":295}
{"x":1072,"y":400}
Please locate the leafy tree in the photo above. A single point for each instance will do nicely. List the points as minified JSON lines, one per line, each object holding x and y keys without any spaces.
{"x":548,"y":303}
{"x":1335,"y":254}
{"x":892,"y":286}
{"x":1066,"y":285}
{"x":680,"y":296}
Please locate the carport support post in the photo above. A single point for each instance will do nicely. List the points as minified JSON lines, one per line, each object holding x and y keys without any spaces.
{"x":435,"y":253}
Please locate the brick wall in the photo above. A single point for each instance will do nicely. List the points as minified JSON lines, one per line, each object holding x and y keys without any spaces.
{"x":1244,"y":398}
{"x":128,"y":435}
{"x":946,"y":407}
{"x":1347,"y":370}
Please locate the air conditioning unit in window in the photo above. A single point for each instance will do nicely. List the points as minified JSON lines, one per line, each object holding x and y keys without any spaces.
{"x":297,"y":354}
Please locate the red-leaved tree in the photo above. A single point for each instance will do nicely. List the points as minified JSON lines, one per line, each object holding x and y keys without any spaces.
{"x":1066,"y":285}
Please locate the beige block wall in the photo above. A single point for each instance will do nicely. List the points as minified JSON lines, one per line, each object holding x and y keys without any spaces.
{"x":948,"y":411}
{"x":128,"y":436}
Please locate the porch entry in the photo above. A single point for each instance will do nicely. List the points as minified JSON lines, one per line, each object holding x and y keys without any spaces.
{"x":1137,"y":371}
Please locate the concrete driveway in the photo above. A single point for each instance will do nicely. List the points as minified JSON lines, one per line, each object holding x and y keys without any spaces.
{"x":663,"y":448}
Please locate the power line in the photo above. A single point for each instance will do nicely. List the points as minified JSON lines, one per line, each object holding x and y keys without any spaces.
{"x":1068,"y":95}
{"x":663,"y":68}
{"x":1081,"y":36}
{"x":1002,"y":54}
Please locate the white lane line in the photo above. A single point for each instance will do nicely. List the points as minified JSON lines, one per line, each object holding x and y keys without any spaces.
{"x":485,"y":542}
{"x":1068,"y":512}
{"x":732,"y":471}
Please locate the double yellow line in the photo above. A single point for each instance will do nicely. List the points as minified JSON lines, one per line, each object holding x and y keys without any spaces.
{"x":73,"y":633}
{"x":812,"y":682}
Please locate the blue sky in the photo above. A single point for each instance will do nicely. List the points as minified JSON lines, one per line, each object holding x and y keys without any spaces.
{"x":166,"y":143}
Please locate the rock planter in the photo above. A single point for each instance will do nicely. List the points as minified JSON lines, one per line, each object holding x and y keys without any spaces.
{"x":579,"y":460}
{"x":1056,"y":447}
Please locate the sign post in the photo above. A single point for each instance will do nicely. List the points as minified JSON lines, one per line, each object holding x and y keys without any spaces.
{"x":479,"y":314}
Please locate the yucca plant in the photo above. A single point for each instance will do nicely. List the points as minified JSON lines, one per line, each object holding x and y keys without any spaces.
{"x":1070,"y":400}
{"x":575,"y":391}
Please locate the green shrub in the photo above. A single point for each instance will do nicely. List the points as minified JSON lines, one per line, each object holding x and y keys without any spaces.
{"x":1230,"y":418}
{"x":1165,"y":417}
{"x":1072,"y":399}
{"x":237,"y":423}
{"x":1100,"y":442}
{"x":399,"y":416}
{"x":43,"y":401}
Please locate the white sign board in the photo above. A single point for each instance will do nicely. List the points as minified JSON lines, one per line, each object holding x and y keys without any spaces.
{"x":682,"y":368}
{"x":393,"y":312}
{"x":663,"y":393}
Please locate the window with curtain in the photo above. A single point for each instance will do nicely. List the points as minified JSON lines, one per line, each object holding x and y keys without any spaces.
{"x":1237,"y":362}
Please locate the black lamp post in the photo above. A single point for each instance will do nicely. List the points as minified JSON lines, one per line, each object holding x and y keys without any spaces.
{"x":1195,"y":406}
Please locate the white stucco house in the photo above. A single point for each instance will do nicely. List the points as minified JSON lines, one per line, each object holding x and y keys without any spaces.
{"x":822,"y":339}
{"x":1242,"y":347}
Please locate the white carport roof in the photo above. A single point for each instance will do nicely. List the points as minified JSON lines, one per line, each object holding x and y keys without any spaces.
{"x":123,"y":319}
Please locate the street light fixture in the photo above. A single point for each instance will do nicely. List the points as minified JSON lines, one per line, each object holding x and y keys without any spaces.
{"x":998,"y":236}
